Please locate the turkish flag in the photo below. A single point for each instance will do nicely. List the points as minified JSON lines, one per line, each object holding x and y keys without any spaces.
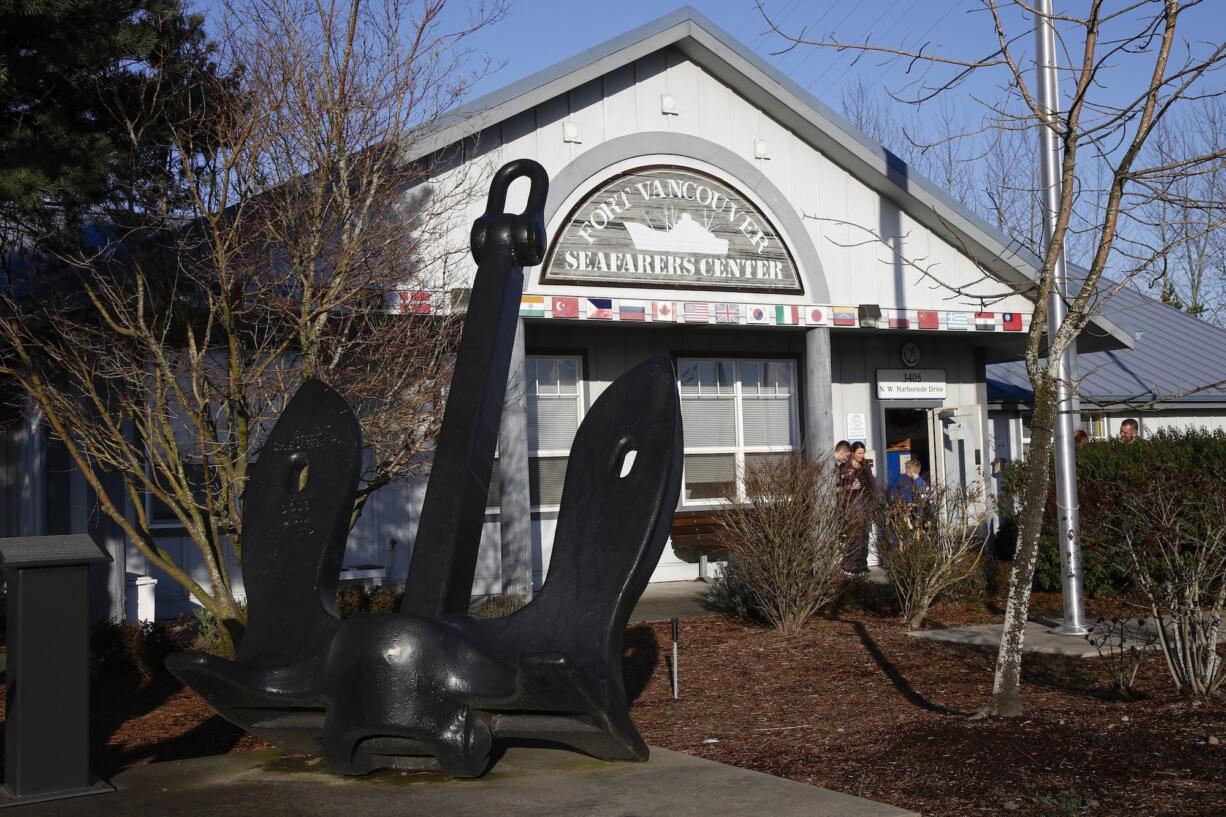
{"x":565,"y":307}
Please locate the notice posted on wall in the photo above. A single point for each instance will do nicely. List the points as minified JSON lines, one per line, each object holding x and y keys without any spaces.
{"x":857,"y":426}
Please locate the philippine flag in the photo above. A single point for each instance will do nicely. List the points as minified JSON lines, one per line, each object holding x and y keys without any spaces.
{"x":564,"y":307}
{"x":759,"y":314}
{"x":1012,"y":321}
{"x":929,"y":319}
{"x":600,"y":309}
{"x":663,"y":311}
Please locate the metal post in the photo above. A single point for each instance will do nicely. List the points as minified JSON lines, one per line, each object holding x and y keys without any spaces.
{"x":676,"y":633}
{"x":1068,"y":512}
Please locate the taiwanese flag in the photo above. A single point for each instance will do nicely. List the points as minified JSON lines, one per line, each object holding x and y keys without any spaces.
{"x":1012,"y":321}
{"x":565,"y":307}
{"x":985,"y":321}
{"x":929,"y":319}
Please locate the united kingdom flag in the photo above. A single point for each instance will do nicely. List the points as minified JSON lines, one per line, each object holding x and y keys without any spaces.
{"x":727,"y":313}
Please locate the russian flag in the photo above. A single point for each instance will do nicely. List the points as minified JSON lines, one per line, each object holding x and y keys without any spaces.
{"x":632,"y":311}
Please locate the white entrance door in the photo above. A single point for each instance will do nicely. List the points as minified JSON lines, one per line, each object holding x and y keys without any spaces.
{"x":957,"y":447}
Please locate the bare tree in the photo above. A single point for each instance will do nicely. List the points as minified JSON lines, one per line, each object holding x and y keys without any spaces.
{"x":1105,"y":133}
{"x":278,"y":255}
{"x":1187,"y":212}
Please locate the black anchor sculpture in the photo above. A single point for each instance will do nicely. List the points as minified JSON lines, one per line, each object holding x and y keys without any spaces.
{"x":431,"y":687}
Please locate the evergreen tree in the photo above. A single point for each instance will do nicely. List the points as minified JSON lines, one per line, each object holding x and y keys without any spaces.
{"x":74,"y":79}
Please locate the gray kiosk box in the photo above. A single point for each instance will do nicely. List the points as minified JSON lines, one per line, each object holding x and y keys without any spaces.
{"x":46,"y":731}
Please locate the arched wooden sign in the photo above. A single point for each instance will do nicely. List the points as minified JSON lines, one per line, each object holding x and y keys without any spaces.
{"x":670,"y":227}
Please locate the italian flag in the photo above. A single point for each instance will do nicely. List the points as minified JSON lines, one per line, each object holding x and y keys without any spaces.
{"x":787,"y":315}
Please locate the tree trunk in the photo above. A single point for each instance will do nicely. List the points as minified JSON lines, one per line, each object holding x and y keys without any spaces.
{"x":1006,"y":687}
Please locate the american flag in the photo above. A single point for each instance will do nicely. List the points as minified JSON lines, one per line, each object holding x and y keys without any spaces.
{"x":727,"y":313}
{"x":697,"y":312}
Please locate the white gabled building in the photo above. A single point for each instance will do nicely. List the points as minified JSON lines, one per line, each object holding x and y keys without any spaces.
{"x":802,"y":278}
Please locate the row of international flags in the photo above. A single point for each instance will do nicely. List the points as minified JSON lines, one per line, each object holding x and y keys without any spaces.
{"x":574,"y":307}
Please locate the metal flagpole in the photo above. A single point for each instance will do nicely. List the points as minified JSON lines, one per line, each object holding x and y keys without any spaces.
{"x":1066,"y":458}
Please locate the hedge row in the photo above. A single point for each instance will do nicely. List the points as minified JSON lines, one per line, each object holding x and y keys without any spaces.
{"x":1193,"y":460}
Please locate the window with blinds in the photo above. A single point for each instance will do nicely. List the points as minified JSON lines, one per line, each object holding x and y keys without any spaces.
{"x":554,"y":391}
{"x":737,"y":413}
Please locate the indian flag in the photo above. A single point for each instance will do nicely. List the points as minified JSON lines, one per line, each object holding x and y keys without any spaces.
{"x":532,"y":306}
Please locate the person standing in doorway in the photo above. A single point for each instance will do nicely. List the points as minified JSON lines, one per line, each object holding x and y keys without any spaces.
{"x":1130,"y":431}
{"x":862,"y":485}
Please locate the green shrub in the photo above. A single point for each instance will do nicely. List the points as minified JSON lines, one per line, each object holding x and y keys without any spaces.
{"x":1106,"y":472}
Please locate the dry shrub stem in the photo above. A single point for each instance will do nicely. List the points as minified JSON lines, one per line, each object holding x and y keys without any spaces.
{"x":787,"y":537}
{"x":935,"y":542}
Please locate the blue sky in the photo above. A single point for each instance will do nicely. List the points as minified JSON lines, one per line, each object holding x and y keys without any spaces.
{"x":538,"y":33}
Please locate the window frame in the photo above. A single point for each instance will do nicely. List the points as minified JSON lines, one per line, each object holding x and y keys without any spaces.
{"x":580,"y":398}
{"x":740,"y":450}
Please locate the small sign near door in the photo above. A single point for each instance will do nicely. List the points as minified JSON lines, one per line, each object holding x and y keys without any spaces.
{"x":911,"y":384}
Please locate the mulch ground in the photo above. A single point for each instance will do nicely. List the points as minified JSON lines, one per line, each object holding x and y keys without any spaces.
{"x":851,"y":704}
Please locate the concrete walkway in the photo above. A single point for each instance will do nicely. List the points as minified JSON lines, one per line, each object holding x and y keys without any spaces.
{"x":525,"y":783}
{"x":664,"y":600}
{"x":1040,"y":637}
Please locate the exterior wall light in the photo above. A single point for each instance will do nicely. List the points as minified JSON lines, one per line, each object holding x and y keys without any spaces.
{"x":668,"y":104}
{"x":761,"y":150}
{"x":570,"y":132}
{"x":870,"y":316}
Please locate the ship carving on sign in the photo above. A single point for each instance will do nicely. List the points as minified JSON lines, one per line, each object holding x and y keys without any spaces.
{"x":684,"y":236}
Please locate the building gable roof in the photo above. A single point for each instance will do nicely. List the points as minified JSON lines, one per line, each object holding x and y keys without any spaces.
{"x":1174,"y":358}
{"x":732,"y":62}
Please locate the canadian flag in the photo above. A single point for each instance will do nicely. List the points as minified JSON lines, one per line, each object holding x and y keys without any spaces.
{"x":662,"y":311}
